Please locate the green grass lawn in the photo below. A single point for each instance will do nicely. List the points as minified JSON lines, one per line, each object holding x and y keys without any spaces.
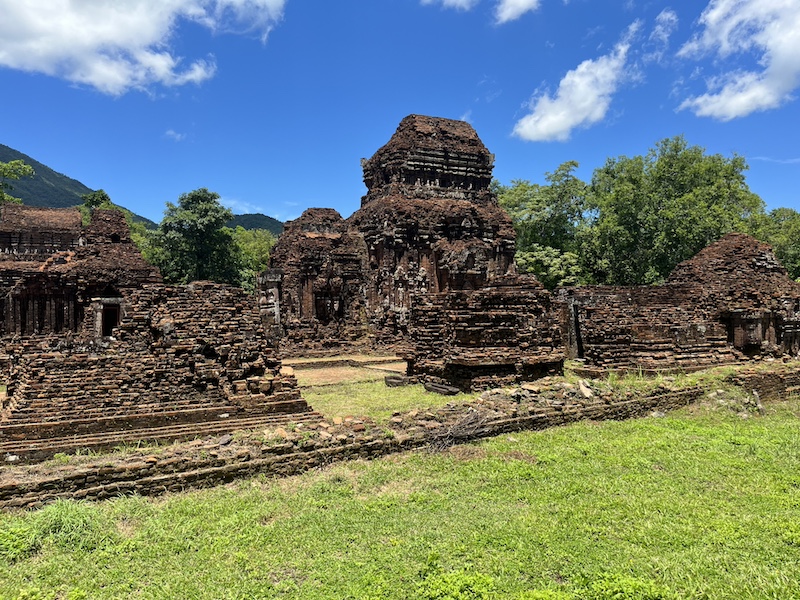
{"x":699,"y":504}
{"x":375,"y":400}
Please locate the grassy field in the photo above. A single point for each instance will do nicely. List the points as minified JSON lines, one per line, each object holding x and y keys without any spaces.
{"x":374,"y":399}
{"x":700,"y":504}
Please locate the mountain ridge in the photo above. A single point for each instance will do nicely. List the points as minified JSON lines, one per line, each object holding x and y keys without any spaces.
{"x":50,"y":189}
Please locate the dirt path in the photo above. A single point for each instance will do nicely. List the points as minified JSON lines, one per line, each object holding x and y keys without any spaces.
{"x":329,"y":372}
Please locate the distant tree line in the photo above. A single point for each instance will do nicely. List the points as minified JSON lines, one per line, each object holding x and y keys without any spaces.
{"x":639,"y":217}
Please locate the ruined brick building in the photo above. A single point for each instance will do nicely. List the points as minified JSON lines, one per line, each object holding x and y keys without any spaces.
{"x":95,"y":349}
{"x":53,"y":270}
{"x":93,"y":344}
{"x":731,"y":301}
{"x":428,"y":223}
{"x":425,"y":268}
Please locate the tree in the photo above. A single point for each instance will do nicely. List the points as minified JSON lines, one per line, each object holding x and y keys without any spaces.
{"x":192,"y":242}
{"x":254,"y":246}
{"x":648,"y":213}
{"x":552,"y":267}
{"x":13,"y":170}
{"x":97,"y":199}
{"x":781,"y":230}
{"x":546,"y":219}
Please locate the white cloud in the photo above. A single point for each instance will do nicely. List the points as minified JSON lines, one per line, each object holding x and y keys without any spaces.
{"x":240,"y":207}
{"x":768,"y":30}
{"x":510,"y":10}
{"x":583,"y":97}
{"x":117,"y":46}
{"x":658,"y":41}
{"x":780,"y":161}
{"x":174,"y":135}
{"x":459,"y":4}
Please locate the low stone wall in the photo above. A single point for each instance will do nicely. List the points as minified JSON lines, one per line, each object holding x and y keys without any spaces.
{"x":209,"y":462}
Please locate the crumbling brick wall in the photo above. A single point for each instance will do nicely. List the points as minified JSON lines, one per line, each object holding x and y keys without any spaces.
{"x":317,"y":295}
{"x":51,"y":267}
{"x":642,"y":328}
{"x":92,"y":342}
{"x":497,"y":336}
{"x":180,"y":354}
{"x":730,"y":300}
{"x":740,"y":283}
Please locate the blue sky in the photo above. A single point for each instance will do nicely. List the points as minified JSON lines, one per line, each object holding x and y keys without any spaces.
{"x":272,"y":103}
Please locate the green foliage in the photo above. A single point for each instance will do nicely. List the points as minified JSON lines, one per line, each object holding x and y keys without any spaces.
{"x":192,"y":242}
{"x":625,"y":587}
{"x":97,"y":199}
{"x":780,"y":228}
{"x":648,"y":213}
{"x":65,"y":524}
{"x":47,"y":187}
{"x":71,"y":526}
{"x":546,"y":218}
{"x":639,"y":217}
{"x":546,"y":595}
{"x":17,"y":540}
{"x":790,"y":533}
{"x":551,"y":267}
{"x":698,"y":504}
{"x":463,"y":584}
{"x":546,"y":215}
{"x":254,"y":246}
{"x":12,"y":170}
{"x":100,"y":199}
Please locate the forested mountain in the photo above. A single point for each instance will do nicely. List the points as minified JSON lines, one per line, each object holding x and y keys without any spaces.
{"x":46,"y":188}
{"x":50,"y":189}
{"x":257,"y":221}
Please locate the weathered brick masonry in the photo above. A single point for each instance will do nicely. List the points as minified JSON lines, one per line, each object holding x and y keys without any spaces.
{"x":733,"y":300}
{"x":429,"y":223}
{"x":96,"y":351}
{"x":500,"y":335}
{"x":209,"y":462}
{"x":424,"y":269}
